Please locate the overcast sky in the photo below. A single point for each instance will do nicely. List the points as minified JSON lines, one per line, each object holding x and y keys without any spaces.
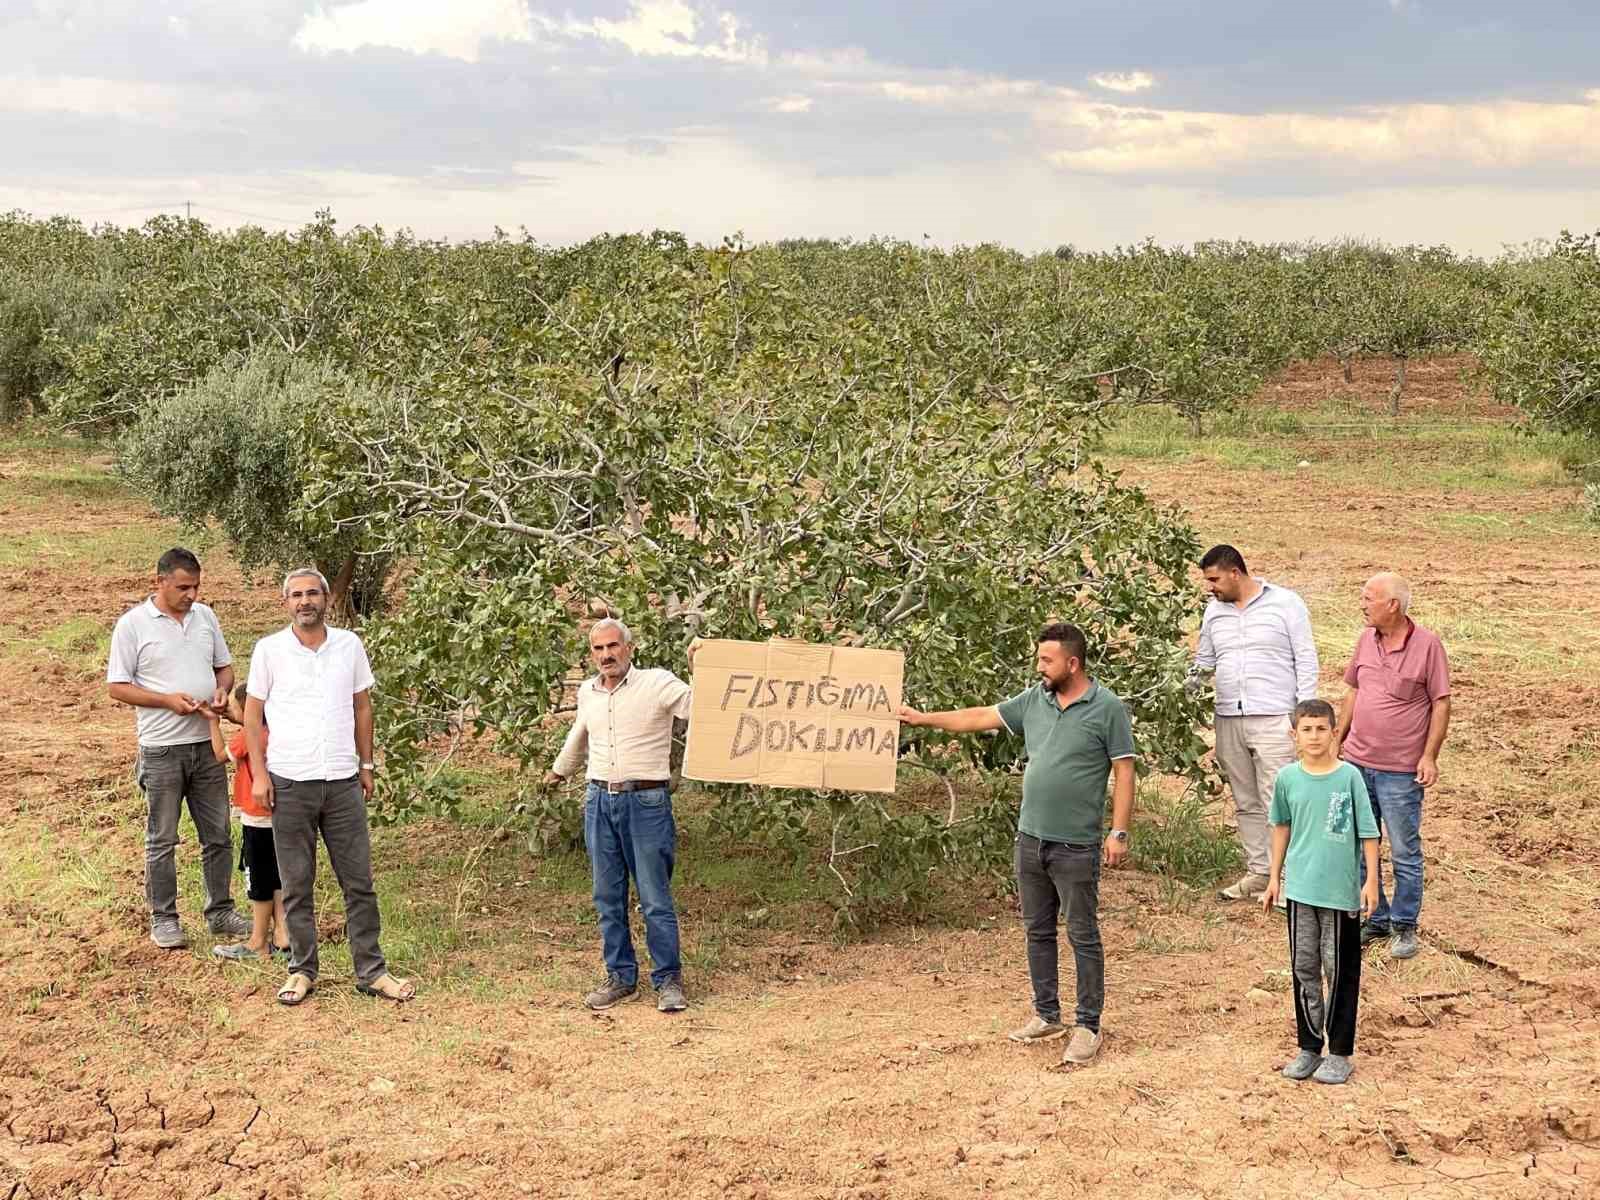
{"x":1031,"y":123}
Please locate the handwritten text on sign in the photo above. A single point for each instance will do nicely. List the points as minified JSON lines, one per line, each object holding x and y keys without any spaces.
{"x":794,"y":714}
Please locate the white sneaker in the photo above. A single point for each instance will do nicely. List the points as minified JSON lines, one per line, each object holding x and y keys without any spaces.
{"x":1038,"y":1030}
{"x":1084,"y":1045}
{"x":1246,"y":887}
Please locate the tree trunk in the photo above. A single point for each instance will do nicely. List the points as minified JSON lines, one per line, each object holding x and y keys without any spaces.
{"x":1346,"y":367}
{"x":1398,"y":388}
{"x":340,"y":610}
{"x":1196,"y":428}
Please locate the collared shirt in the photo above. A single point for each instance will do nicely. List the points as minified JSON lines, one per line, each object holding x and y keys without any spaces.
{"x":628,"y":730}
{"x":1263,"y":654}
{"x":153,"y":650}
{"x":1395,"y":694}
{"x":1070,"y":751}
{"x":309,"y":699}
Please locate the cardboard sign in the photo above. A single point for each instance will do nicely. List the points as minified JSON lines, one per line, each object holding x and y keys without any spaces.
{"x":793,"y":714}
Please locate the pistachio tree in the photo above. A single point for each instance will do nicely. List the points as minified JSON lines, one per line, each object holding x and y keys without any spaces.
{"x":718,"y":443}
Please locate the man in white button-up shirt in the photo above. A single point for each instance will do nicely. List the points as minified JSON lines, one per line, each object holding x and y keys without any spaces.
{"x":310,"y":684}
{"x":624,"y":721}
{"x":1256,"y":638}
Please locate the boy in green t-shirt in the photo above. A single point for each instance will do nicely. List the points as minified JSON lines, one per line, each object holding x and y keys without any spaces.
{"x":1322,"y":826}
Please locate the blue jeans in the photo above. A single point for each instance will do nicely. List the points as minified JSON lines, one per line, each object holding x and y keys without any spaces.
{"x":1397,"y":804}
{"x":632,"y":833}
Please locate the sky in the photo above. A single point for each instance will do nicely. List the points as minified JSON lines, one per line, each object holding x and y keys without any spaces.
{"x":1032,"y":123}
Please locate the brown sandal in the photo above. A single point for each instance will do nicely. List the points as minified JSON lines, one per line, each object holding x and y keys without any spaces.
{"x":387,"y":987}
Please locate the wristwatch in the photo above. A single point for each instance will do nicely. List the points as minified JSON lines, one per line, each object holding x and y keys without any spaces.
{"x":368,"y":767}
{"x":1120,"y":834}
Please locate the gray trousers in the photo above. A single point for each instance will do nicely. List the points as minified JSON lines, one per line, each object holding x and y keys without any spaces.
{"x":336,"y":809}
{"x":1251,"y":751}
{"x":1325,"y":945}
{"x":169,"y":776}
{"x":1052,"y":876}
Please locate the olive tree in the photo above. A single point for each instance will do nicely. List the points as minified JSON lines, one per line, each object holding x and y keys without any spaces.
{"x":233,"y":450}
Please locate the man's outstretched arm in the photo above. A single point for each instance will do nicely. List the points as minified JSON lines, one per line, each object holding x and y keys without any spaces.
{"x":955,"y":720}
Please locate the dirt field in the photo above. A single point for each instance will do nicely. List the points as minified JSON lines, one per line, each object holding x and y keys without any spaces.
{"x":805,"y":1067}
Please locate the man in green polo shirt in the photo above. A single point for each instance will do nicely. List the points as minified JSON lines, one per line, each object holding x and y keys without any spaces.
{"x":1076,"y":733}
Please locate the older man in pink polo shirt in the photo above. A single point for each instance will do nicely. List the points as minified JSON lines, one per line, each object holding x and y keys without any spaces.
{"x":1392,"y":723}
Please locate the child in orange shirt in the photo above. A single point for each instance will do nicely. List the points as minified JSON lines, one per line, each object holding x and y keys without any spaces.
{"x":258,"y":859}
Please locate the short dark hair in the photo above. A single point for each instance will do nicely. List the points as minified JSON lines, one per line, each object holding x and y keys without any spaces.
{"x":177,"y":559}
{"x":1315,"y":708}
{"x":1070,"y":637}
{"x":242,"y":693}
{"x":1226,"y":557}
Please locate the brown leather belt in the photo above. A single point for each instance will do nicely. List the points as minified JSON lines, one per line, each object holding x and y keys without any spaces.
{"x":634,"y":785}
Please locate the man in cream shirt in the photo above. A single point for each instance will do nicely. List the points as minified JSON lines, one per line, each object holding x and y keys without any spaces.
{"x":624,"y":721}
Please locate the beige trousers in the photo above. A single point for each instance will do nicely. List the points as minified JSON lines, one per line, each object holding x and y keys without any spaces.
{"x":1251,"y":751}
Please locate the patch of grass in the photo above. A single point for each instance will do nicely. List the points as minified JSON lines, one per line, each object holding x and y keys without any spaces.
{"x":1512,"y":527}
{"x":53,"y":487}
{"x":129,"y":548}
{"x":36,"y":438}
{"x":1179,"y":840}
{"x":1465,"y":453}
{"x":81,"y":642}
{"x":1185,"y":937}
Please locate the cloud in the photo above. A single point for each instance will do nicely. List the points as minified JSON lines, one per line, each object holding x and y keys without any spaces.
{"x":456,"y":29}
{"x":1126,"y":81}
{"x":791,"y":103}
{"x":668,"y":28}
{"x":841,"y":119}
{"x":1392,"y":142}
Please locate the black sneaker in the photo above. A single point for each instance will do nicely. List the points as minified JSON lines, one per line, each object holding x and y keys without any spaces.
{"x":1371,"y":933}
{"x":670,"y":997}
{"x":613,"y":991}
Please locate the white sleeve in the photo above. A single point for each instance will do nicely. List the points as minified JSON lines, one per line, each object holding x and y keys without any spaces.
{"x":1305,"y":652}
{"x":221,"y":656}
{"x":361,"y":669}
{"x":124,"y":662}
{"x":259,"y":684}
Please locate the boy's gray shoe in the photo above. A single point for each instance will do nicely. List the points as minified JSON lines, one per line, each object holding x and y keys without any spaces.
{"x":670,"y":997}
{"x":1404,"y":944}
{"x":1304,"y":1065}
{"x":235,"y":952}
{"x":1335,"y":1068}
{"x":1372,"y":933}
{"x":168,"y":935}
{"x":231,"y":924}
{"x":613,"y":991}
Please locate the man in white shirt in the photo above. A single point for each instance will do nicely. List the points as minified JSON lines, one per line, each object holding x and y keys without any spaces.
{"x":170,"y":662}
{"x":624,"y":720}
{"x":1256,"y":637}
{"x":310,"y":684}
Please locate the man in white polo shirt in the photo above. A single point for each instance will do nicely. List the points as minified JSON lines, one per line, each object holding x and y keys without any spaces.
{"x":625,"y":716}
{"x":310,"y":684}
{"x":170,"y":662}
